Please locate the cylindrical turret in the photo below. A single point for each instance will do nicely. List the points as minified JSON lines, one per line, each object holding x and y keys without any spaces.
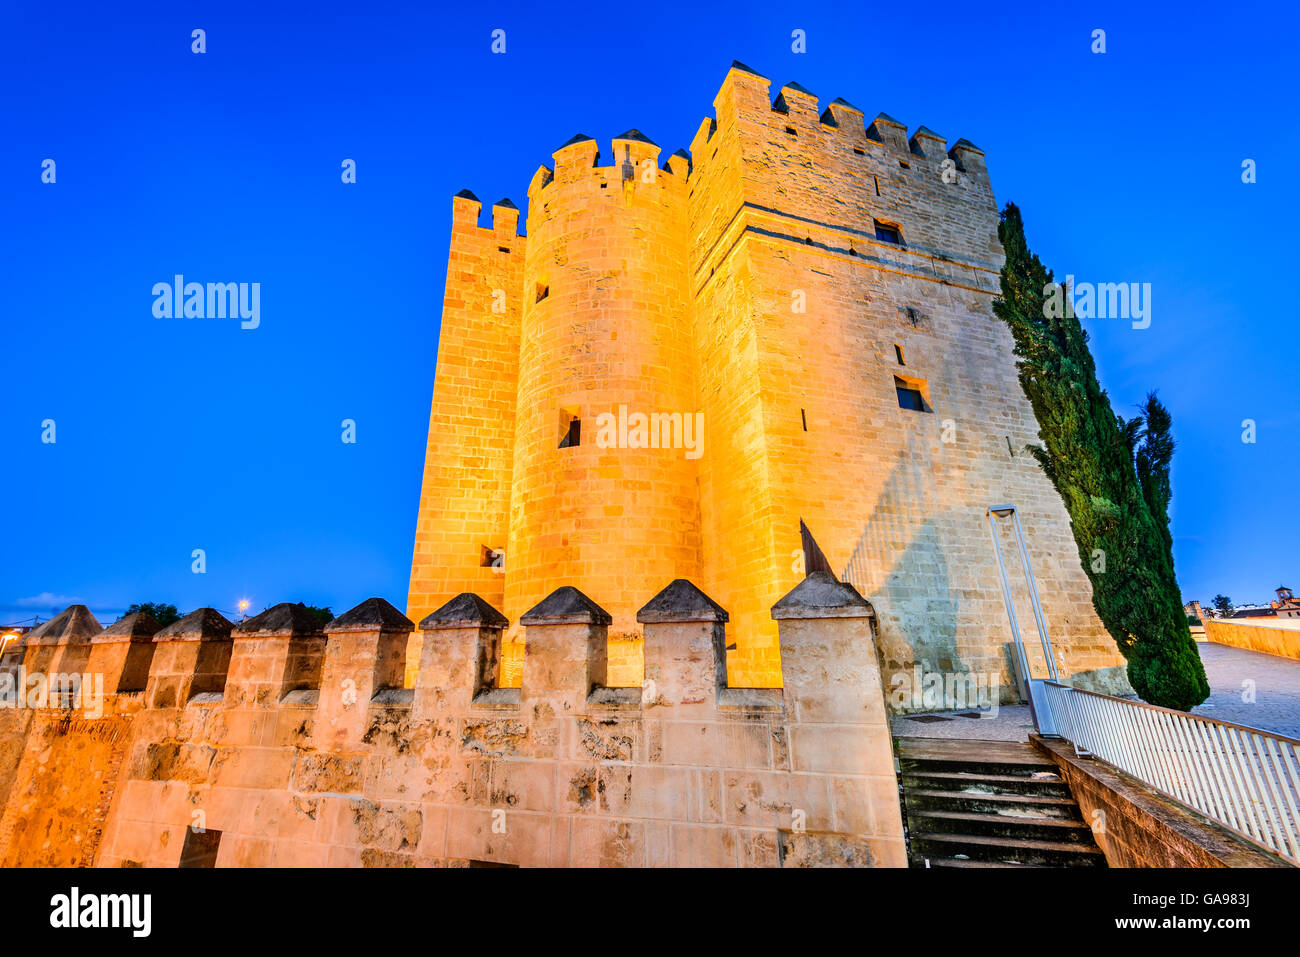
{"x":605,"y":494}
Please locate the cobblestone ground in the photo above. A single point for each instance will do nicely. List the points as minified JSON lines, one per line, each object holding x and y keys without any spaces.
{"x":1236,"y":676}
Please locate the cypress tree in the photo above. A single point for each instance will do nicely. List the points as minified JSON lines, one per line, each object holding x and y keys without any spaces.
{"x":1112,"y":474}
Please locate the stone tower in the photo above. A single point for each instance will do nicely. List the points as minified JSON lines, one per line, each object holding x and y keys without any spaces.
{"x":816,"y":290}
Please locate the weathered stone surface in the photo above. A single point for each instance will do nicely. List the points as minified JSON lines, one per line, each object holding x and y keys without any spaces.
{"x":565,"y":606}
{"x":373,"y":614}
{"x":464,"y":611}
{"x":203,"y":623}
{"x":681,"y":601}
{"x":75,"y":624}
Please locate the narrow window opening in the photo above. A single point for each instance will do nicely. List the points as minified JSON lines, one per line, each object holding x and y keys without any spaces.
{"x":200,"y":848}
{"x":570,"y":430}
{"x":791,"y":131}
{"x":877,"y":179}
{"x":904,"y":164}
{"x":859,"y":151}
{"x":543,"y":291}
{"x":1010,"y":450}
{"x":888,"y":233}
{"x":604,"y":185}
{"x":503,"y":249}
{"x":898,"y":351}
{"x":804,"y":416}
{"x":489,"y":557}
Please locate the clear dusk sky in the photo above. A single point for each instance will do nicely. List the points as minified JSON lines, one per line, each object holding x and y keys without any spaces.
{"x":177,"y":434}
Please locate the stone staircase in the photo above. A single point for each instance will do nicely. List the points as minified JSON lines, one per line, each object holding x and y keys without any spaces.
{"x":989,"y":804}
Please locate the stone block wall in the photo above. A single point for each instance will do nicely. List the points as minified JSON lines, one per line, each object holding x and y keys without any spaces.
{"x":273,"y":742}
{"x":747,"y":281}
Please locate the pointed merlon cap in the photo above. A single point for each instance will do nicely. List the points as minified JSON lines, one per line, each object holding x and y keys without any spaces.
{"x":466,"y":194}
{"x":821,"y":596}
{"x":737,"y":65}
{"x":576,"y":138}
{"x":137,"y":626}
{"x":888,"y":120}
{"x":373,"y":614}
{"x":205,"y":624}
{"x":926,"y":131}
{"x":799,"y":88}
{"x":74,"y":625}
{"x":840,"y":101}
{"x":636,"y":136}
{"x":965,"y":144}
{"x":681,"y":601}
{"x":466,"y":610}
{"x":566,"y":606}
{"x":285,"y":618}
{"x":504,"y":204}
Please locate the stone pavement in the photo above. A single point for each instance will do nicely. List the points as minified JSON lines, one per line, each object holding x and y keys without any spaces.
{"x":1236,"y":676}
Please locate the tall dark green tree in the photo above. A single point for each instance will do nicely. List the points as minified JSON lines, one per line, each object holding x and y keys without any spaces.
{"x":1113,"y":475}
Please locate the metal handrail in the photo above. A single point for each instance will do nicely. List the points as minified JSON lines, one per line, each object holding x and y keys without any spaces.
{"x":1244,"y":778}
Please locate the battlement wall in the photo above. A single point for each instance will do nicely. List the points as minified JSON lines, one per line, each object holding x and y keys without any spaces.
{"x":277,"y":742}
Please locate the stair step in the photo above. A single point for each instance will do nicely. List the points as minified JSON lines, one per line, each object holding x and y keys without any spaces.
{"x":999,"y":825}
{"x":979,"y":752}
{"x":974,"y":782}
{"x":1012,"y":805}
{"x":1022,"y":769}
{"x":985,"y":847}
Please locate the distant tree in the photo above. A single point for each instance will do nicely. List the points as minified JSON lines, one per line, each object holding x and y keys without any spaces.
{"x":1111,"y":473}
{"x":163,"y":614}
{"x":323,"y":615}
{"x":1223,"y":605}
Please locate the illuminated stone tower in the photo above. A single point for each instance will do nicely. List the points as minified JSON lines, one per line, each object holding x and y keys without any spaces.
{"x":818,"y":289}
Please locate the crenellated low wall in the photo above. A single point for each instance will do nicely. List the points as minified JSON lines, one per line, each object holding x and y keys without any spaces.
{"x":278,"y":743}
{"x":1274,"y":636}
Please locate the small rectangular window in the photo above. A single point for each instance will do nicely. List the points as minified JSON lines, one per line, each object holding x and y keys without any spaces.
{"x":888,"y":233}
{"x":503,"y":249}
{"x":791,"y":131}
{"x":898,"y":351}
{"x":804,"y":416}
{"x":543,"y":291}
{"x":912,"y":394}
{"x":904,"y":164}
{"x":909,"y":398}
{"x":859,"y":151}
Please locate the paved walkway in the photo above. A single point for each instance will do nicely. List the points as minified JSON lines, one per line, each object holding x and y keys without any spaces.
{"x":1236,"y":676}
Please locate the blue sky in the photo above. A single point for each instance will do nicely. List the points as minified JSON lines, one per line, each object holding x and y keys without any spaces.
{"x":173,"y":435}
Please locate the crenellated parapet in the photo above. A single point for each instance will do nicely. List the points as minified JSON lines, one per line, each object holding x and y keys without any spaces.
{"x":291,"y":743}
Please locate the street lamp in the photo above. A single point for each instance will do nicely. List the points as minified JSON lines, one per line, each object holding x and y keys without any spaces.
{"x":243,"y":607}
